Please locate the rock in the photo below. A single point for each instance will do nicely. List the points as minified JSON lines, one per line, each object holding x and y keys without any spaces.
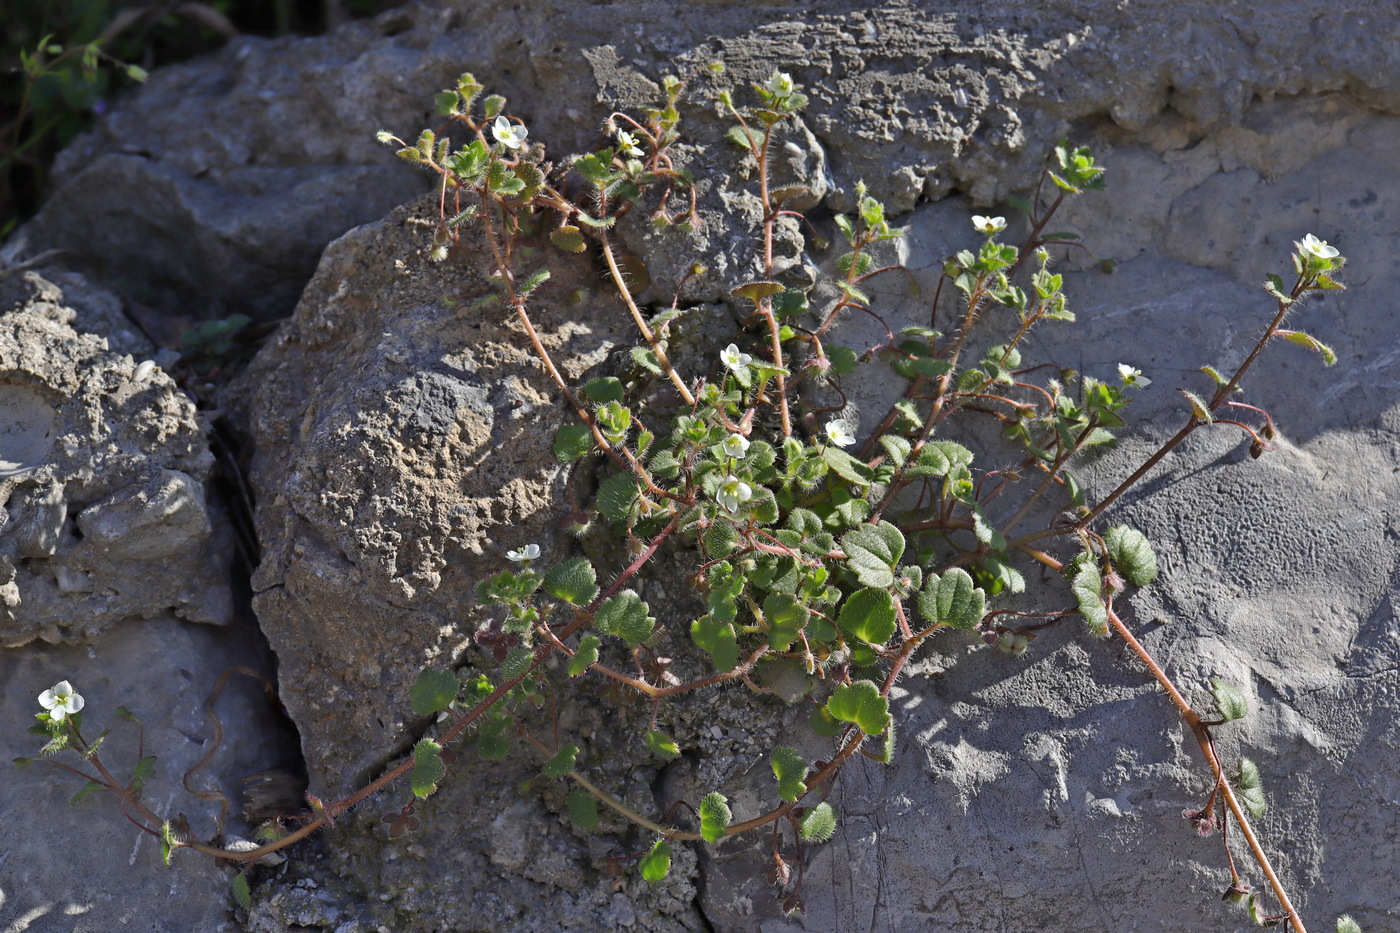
{"x":222,"y":216}
{"x":82,"y":866}
{"x":403,"y":442}
{"x":103,"y":471}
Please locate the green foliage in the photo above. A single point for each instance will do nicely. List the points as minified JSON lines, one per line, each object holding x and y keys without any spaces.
{"x":714,"y":816}
{"x":861,"y":704}
{"x":868,"y":615}
{"x":563,"y":761}
{"x":238,"y":886}
{"x":574,"y":581}
{"x":1229,"y":700}
{"x":583,"y":809}
{"x":952,"y":600}
{"x":428,"y":768}
{"x":1345,"y":924}
{"x":819,"y":823}
{"x":1131,"y":554}
{"x":1087,"y":585}
{"x":656,"y":864}
{"x":791,"y":771}
{"x":627,"y":616}
{"x":662,"y":744}
{"x":585,"y":656}
{"x":433,"y":691}
{"x":1250,"y":787}
{"x":873,"y":552}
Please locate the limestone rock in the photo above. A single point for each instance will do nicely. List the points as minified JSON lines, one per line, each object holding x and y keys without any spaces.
{"x":102,"y":473}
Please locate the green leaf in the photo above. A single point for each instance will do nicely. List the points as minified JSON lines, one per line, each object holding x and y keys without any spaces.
{"x":1329,"y":357}
{"x":1229,"y":699}
{"x":720,"y":539}
{"x":714,"y":817}
{"x":604,"y":389}
{"x":83,"y":791}
{"x":1088,"y":591}
{"x":493,"y":743}
{"x":718,"y":639}
{"x":428,"y":768}
{"x":786,"y":617}
{"x":1198,"y":408}
{"x":1131,"y":554}
{"x":562,"y":762}
{"x":662,"y":744}
{"x":595,"y":222}
{"x":585,"y":655}
{"x":616,"y":496}
{"x":583,"y":809}
{"x":1274,"y":286}
{"x":657,"y":863}
{"x":861,"y":704}
{"x":823,"y":723}
{"x":1006,"y":577}
{"x":167,"y":842}
{"x":573,"y":581}
{"x":492,"y":105}
{"x":645,"y":357}
{"x":897,"y":447}
{"x":740,"y":137}
{"x":535,"y":280}
{"x":569,"y":238}
{"x":1347,"y":925}
{"x":517,"y":662}
{"x":572,"y":441}
{"x":627,"y":616}
{"x":241,"y":895}
{"x":952,"y":600}
{"x":982,"y":528}
{"x":757,"y":291}
{"x":1251,"y":789}
{"x":873,"y":551}
{"x":846,"y":466}
{"x":819,"y":824}
{"x":843,"y":360}
{"x":433,"y":691}
{"x":790,"y":769}
{"x":868,"y":614}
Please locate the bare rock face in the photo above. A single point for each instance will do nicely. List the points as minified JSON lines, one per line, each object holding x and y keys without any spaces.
{"x":102,"y":475}
{"x":403,"y":438}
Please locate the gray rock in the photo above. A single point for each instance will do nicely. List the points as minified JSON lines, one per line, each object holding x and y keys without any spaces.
{"x":83,"y":868}
{"x":102,"y":474}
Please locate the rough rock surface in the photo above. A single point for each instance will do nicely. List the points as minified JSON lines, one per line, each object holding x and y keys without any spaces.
{"x":228,"y":215}
{"x":102,"y":474}
{"x":1044,"y":793}
{"x":83,"y":868}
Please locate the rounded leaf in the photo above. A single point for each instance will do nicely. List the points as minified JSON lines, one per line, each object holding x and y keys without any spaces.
{"x":868,"y":614}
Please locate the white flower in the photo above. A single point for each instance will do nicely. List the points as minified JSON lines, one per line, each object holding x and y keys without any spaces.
{"x":509,"y":134}
{"x":1318,"y":248}
{"x":988,"y":225}
{"x":732,"y":358}
{"x":61,"y":700}
{"x":529,"y":552}
{"x":781,"y":84}
{"x":733,"y":492}
{"x":736,"y":445}
{"x":839,"y":434}
{"x":1133,"y":377}
{"x":628,"y":143}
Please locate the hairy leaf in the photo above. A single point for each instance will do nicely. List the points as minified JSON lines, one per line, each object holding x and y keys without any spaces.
{"x":572,"y":441}
{"x":662,"y":744}
{"x":714,"y":816}
{"x":627,"y":616}
{"x":869,"y":615}
{"x":433,"y":691}
{"x":819,"y":824}
{"x":719,"y":640}
{"x":952,"y":600}
{"x":786,"y":617}
{"x":1251,"y":789}
{"x":1088,"y":591}
{"x":1229,"y":699}
{"x":585,"y":655}
{"x":616,"y":496}
{"x":873,"y":551}
{"x":790,"y":769}
{"x":1131,"y":554}
{"x":563,"y":761}
{"x":574,"y":581}
{"x":428,"y":768}
{"x":657,"y":863}
{"x":583,"y":809}
{"x":861,"y":704}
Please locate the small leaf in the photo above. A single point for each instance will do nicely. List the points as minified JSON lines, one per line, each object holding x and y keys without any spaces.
{"x":241,"y":895}
{"x":897,"y":447}
{"x":1347,"y":925}
{"x":739,"y":137}
{"x":574,"y":581}
{"x":627,"y":616}
{"x":563,"y":761}
{"x":583,"y":809}
{"x":819,"y":824}
{"x":1131,"y":553}
{"x":843,"y":360}
{"x":1198,"y":408}
{"x":714,"y":817}
{"x":757,"y":291}
{"x":645,"y":357}
{"x":569,"y":238}
{"x":786,"y":618}
{"x":1088,"y":590}
{"x":1251,"y":789}
{"x":517,"y":662}
{"x":83,"y":791}
{"x":873,"y":551}
{"x":869,"y":615}
{"x":1229,"y":699}
{"x":572,"y":441}
{"x":657,"y":863}
{"x":718,"y":639}
{"x":535,"y":280}
{"x":662,"y":744}
{"x":585,"y":655}
{"x":846,"y":466}
{"x":952,"y":600}
{"x":1329,"y":357}
{"x":428,"y":768}
{"x":1274,"y":286}
{"x":861,"y":704}
{"x":433,"y":691}
{"x":616,"y":496}
{"x":791,"y":770}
